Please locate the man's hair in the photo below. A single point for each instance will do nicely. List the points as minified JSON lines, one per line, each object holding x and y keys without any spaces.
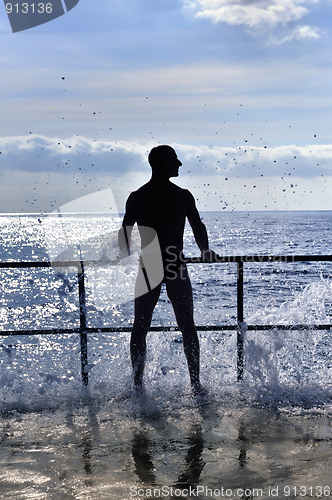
{"x":158,"y":154}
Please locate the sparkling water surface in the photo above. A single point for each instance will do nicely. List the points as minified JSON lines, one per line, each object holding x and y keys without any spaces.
{"x":62,"y":441}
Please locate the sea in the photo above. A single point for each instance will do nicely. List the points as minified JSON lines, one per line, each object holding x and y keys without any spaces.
{"x":268,"y":435}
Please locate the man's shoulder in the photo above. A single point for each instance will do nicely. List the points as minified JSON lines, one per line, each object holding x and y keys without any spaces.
{"x":178,"y":188}
{"x":181,"y":191}
{"x":187,"y":196}
{"x":143,"y":188}
{"x":139,"y":191}
{"x":150,"y":189}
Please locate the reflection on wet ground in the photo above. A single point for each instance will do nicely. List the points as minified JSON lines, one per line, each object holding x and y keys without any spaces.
{"x":127,"y":448}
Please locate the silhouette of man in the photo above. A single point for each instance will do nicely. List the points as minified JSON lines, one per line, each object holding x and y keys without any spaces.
{"x":164,"y":207}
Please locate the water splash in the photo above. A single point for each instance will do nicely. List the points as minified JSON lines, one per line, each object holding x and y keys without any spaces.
{"x":292,"y":368}
{"x":310,"y":306}
{"x":288,"y":370}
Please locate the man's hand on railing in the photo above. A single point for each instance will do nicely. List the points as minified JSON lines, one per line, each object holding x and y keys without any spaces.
{"x":209,"y":256}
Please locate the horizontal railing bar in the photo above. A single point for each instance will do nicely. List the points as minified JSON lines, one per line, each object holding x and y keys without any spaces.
{"x":119,"y":329}
{"x":189,"y":260}
{"x":64,"y":263}
{"x":111,"y":329}
{"x":54,"y":331}
{"x":289,"y":327}
{"x":260,"y":258}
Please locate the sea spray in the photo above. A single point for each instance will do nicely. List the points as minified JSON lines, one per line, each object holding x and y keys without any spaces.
{"x":294,"y":366}
{"x":289,"y":366}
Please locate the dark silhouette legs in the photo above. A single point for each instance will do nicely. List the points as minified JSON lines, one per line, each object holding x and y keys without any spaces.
{"x":179,"y":292}
{"x":144,"y":307}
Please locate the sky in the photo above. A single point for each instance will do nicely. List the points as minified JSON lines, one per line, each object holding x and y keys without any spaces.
{"x":240,"y":88}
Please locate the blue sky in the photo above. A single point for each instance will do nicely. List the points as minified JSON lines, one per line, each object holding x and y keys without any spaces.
{"x":241,"y":89}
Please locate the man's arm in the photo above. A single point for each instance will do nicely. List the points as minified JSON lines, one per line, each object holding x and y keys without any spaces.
{"x":199,"y":230}
{"x":124,"y":235}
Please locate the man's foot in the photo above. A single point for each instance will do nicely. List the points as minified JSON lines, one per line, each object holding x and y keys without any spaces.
{"x":138,"y":386}
{"x":199,"y":390}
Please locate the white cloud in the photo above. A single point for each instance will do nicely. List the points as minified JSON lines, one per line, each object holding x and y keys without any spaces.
{"x":300,"y":33}
{"x":252,"y":161}
{"x":37,"y":153}
{"x":254,"y":14}
{"x":81,"y":155}
{"x":38,"y":174}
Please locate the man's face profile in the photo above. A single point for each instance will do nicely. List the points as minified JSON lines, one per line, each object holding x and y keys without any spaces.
{"x":172,"y":163}
{"x":164,"y":161}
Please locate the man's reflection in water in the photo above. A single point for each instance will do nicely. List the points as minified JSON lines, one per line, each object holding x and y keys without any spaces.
{"x":144,"y":467}
{"x":90,"y":439}
{"x":142,"y":458}
{"x":87,"y":445}
{"x":194,"y":462}
{"x":243,"y":445}
{"x":87,"y":440}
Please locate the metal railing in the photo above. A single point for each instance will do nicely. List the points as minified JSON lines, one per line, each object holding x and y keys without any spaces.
{"x":241,"y":326}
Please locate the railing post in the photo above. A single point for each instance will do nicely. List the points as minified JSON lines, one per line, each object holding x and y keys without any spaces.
{"x":239,"y":319}
{"x":83,"y":334}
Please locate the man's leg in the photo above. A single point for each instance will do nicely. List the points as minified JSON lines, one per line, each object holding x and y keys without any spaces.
{"x":144,"y":306}
{"x":179,"y":292}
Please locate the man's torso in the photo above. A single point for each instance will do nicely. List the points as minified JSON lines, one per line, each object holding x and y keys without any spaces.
{"x":163,"y":207}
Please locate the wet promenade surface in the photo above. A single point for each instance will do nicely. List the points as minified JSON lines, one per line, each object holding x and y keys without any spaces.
{"x":128,"y":447}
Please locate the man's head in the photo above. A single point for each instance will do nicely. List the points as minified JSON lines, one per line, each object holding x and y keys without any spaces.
{"x":164,"y":161}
